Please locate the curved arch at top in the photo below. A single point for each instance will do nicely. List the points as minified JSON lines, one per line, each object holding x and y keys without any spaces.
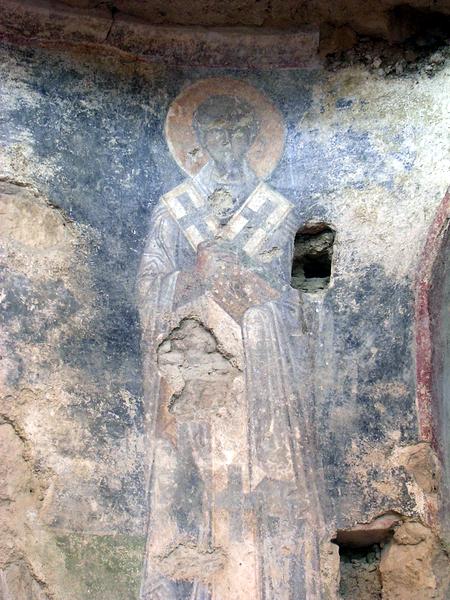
{"x":433,"y":249}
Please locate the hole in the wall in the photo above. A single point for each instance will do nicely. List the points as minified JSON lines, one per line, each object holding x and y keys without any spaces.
{"x":360,"y":556}
{"x":360,"y":573}
{"x":312,"y":260}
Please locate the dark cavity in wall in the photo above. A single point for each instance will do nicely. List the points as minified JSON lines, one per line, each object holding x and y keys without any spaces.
{"x":360,"y":573}
{"x":360,"y":556}
{"x":423,"y":26}
{"x":312,"y":260}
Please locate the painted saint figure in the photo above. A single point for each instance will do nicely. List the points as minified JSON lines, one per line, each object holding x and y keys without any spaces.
{"x":233,"y":480}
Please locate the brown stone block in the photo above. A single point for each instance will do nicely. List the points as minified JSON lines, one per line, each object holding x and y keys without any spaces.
{"x":208,"y":13}
{"x":51,"y":21}
{"x":410,"y":565}
{"x":241,"y":47}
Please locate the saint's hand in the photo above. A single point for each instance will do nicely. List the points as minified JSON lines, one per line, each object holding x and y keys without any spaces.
{"x":189,"y":288}
{"x":213,"y":257}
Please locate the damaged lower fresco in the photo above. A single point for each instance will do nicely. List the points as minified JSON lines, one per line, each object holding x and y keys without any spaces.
{"x":105,"y":498}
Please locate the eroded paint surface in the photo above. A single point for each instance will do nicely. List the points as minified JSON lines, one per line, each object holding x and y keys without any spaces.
{"x":87,"y":168}
{"x":234,"y":465}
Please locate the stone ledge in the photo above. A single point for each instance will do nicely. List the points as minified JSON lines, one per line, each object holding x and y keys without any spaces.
{"x":56,"y":25}
{"x":44,"y":21}
{"x":219,"y":47}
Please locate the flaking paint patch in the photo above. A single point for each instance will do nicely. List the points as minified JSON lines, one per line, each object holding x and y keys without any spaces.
{"x":188,"y":562}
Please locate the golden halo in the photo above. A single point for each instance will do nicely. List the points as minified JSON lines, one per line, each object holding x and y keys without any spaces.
{"x":267,"y":148}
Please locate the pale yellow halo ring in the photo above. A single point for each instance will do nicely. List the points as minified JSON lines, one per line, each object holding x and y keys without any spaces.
{"x":267,"y":148}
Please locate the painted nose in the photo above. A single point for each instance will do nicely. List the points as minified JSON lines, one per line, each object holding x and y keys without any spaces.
{"x":226,"y":139}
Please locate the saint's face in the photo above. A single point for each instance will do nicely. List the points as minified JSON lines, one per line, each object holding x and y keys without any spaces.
{"x":227,"y":145}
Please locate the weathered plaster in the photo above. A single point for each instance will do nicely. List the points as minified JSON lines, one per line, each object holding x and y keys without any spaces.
{"x":84,"y":160}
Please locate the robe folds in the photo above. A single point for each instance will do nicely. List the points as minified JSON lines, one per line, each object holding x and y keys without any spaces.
{"x":261,"y":505}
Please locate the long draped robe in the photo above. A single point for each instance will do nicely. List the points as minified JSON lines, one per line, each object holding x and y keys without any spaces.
{"x":284,"y":475}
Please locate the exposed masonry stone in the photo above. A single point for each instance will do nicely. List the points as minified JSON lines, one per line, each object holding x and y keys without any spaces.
{"x":188,"y":562}
{"x":374,"y":17}
{"x":21,"y":492}
{"x":414,"y":566}
{"x":404,"y":560}
{"x":54,"y":24}
{"x":149,"y":30}
{"x":44,"y":20}
{"x":200,"y":375}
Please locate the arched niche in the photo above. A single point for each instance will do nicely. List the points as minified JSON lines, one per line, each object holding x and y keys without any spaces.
{"x":440,"y":383}
{"x":433,"y":349}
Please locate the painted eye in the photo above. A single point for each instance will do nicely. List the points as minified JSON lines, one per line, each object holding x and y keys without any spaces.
{"x":220,"y":136}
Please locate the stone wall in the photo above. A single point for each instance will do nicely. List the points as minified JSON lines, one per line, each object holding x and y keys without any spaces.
{"x":84,"y":160}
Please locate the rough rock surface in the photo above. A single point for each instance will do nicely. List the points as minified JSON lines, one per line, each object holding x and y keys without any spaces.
{"x":83,"y":162}
{"x":21,"y":496}
{"x":360,"y":575}
{"x":199,"y":375}
{"x":150,"y":30}
{"x":374,"y":18}
{"x":414,"y":565}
